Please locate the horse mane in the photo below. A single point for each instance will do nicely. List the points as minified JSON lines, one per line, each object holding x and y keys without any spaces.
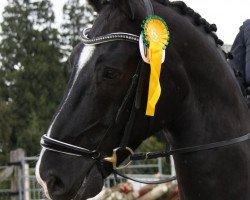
{"x":199,"y":21}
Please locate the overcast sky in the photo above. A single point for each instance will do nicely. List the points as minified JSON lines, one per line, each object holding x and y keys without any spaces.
{"x":228,"y":15}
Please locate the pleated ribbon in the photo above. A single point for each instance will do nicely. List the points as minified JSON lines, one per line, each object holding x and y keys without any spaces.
{"x":156,"y":36}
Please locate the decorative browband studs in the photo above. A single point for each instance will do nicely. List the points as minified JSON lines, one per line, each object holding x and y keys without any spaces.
{"x":108,"y":38}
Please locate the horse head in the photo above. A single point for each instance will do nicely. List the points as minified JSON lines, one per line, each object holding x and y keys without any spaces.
{"x":105,"y":102}
{"x":87,"y":117}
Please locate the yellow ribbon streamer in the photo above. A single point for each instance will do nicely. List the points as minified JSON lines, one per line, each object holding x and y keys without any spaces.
{"x":156,"y":37}
{"x":154,"y":92}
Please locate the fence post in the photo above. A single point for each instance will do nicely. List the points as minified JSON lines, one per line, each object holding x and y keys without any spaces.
{"x":160,"y":166}
{"x":26,"y":181}
{"x":16,"y":157}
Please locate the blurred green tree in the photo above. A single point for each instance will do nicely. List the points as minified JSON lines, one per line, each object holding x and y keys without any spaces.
{"x":32,"y":75}
{"x":77,"y":15}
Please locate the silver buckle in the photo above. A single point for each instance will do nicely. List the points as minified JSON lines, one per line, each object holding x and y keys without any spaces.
{"x":113,"y":159}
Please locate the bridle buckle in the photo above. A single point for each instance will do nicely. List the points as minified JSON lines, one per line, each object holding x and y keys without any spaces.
{"x":113,"y":159}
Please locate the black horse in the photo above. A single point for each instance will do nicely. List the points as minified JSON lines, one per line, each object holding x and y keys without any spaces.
{"x":200,"y":103}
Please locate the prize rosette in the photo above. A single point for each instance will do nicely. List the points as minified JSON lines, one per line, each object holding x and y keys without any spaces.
{"x":156,"y":37}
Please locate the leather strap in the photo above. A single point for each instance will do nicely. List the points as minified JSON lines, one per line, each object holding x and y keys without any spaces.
{"x":154,"y":155}
{"x":215,"y":145}
{"x":61,"y":147}
{"x":129,"y":94}
{"x":164,"y":180}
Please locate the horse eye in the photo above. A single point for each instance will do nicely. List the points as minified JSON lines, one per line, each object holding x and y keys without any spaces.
{"x":109,"y":73}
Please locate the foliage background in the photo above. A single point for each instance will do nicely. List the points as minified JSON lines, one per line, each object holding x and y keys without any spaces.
{"x":33,"y":68}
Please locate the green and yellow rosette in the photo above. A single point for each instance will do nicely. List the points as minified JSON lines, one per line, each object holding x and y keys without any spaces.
{"x":156,"y":36}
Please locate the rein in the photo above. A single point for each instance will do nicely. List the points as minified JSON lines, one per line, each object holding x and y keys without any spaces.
{"x":134,"y":94}
{"x":68,"y":149}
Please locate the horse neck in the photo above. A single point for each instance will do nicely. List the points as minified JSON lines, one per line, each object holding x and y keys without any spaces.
{"x":212,"y":95}
{"x":212,"y":110}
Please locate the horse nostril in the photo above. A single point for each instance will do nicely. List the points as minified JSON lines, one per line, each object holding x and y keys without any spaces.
{"x":55,"y":186}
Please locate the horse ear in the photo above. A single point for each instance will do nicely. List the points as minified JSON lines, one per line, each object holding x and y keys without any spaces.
{"x":132,"y":8}
{"x":98,"y":4}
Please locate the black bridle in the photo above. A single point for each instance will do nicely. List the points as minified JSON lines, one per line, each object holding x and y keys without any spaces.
{"x":133,"y":94}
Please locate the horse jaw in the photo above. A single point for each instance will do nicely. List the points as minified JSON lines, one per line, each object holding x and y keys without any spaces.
{"x":91,"y":186}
